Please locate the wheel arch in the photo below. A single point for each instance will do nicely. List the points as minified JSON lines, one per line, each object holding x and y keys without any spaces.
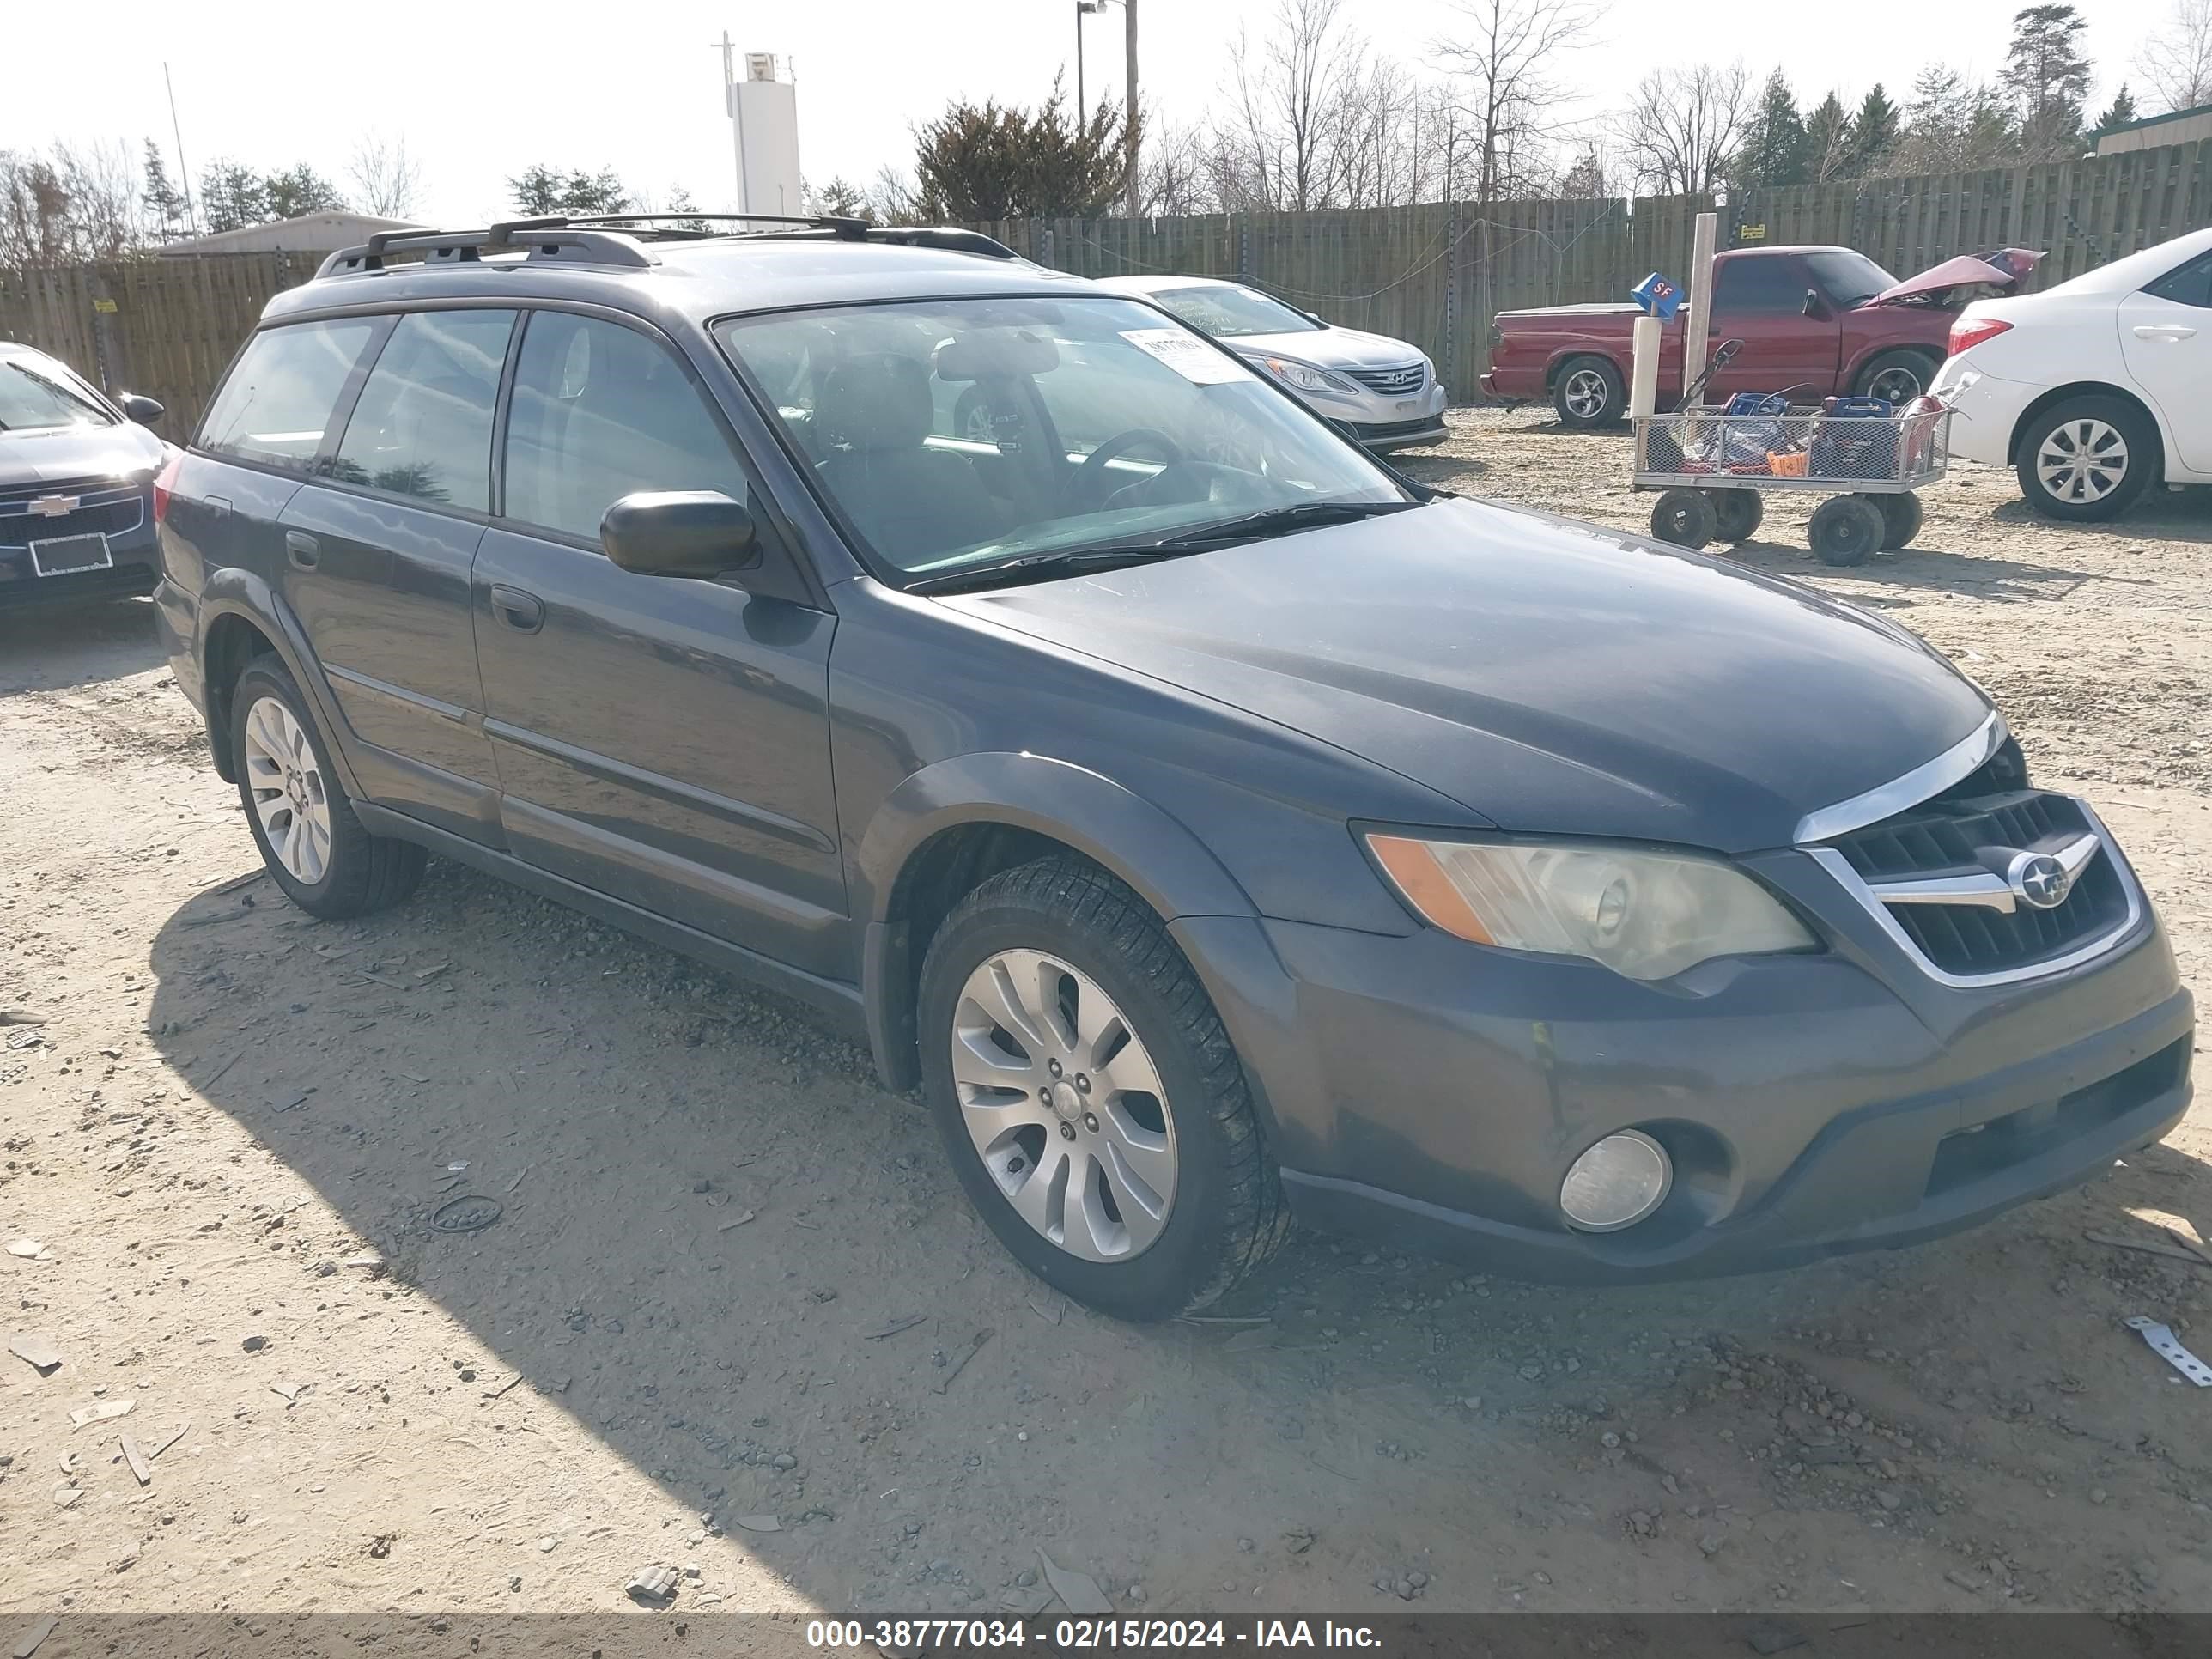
{"x":951,"y":826}
{"x":1566,"y":354}
{"x":240,"y":616}
{"x":2058,"y":394}
{"x":1856,"y":368}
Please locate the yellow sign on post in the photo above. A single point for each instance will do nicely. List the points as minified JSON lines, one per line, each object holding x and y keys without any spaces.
{"x":104,"y":306}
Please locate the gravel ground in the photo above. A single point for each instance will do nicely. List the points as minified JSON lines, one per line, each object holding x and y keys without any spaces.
{"x":718,"y":1324}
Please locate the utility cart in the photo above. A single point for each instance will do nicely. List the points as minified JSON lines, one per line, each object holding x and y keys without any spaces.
{"x":1714,"y":467}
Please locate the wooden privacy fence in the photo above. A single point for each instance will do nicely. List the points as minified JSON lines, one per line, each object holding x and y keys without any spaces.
{"x":1433,"y":274}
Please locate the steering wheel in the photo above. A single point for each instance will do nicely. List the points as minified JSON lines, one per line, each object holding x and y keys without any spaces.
{"x":1084,"y":485}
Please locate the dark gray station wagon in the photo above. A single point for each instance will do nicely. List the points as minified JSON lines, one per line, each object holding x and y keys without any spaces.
{"x":1217,"y":826}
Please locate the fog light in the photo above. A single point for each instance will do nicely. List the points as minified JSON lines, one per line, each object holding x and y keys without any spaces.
{"x":1616,"y":1183}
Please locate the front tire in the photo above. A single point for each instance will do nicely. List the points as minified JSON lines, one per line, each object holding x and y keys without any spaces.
{"x":1090,"y":1101}
{"x":1685,"y":518}
{"x":302,"y":817}
{"x":2087,"y":459}
{"x":1897,"y":377}
{"x":1846,"y":529}
{"x":1589,"y":393}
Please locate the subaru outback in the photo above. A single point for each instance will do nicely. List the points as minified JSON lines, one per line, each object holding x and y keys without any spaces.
{"x":1217,"y":827}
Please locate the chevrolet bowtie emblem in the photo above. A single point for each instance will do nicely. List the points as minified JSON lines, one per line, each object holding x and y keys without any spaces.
{"x":54,"y":506}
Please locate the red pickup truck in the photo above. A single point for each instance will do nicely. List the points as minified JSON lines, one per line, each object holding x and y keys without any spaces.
{"x":1814,"y":322}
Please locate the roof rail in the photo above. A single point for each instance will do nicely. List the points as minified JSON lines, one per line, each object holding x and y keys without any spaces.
{"x":547,"y":237}
{"x":674,"y":223}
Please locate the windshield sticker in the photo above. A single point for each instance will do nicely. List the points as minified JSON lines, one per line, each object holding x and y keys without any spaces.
{"x":1189,"y":355}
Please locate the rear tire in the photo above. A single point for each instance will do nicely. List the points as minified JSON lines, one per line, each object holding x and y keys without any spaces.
{"x":2087,"y":459}
{"x":1061,"y":950}
{"x":301,"y":819}
{"x":1589,"y":393}
{"x":1897,"y":377}
{"x":1737,"y":513}
{"x":1684,"y":517}
{"x":1846,"y":529}
{"x":1901,"y":516}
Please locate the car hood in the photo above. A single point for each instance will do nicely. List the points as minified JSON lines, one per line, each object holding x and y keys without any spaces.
{"x":1548,"y":675}
{"x":2004,"y":270}
{"x":67,"y":454}
{"x":1330,"y":348}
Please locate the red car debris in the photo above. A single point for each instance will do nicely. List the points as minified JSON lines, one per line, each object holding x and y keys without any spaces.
{"x":1815,"y":322}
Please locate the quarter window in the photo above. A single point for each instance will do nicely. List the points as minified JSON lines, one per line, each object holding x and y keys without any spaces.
{"x":276,"y":407}
{"x":598,"y":411}
{"x":2191,"y":285}
{"x":422,"y":424}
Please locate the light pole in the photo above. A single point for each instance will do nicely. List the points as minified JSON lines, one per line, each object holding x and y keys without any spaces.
{"x":1129,"y":92}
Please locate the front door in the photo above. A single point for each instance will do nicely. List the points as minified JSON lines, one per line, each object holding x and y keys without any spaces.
{"x":1759,"y":299}
{"x":662,"y":740}
{"x":2166,"y":336}
{"x":377,"y":553}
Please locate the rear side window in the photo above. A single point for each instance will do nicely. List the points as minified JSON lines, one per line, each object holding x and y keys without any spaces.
{"x":276,"y":407}
{"x":422,"y":424}
{"x":598,"y":411}
{"x":1759,"y":286}
{"x":2191,"y":285}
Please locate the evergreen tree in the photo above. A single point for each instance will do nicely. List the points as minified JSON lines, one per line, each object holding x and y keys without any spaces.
{"x":1876,"y":130}
{"x":166,"y":219}
{"x":299,"y":190}
{"x":541,"y":191}
{"x":1828,"y":142}
{"x":2120,"y":112}
{"x":1773,"y":150}
{"x":231,"y":195}
{"x":2048,"y":78}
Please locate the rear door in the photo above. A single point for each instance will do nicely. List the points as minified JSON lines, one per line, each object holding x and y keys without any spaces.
{"x":377,"y":553}
{"x":2166,"y":337}
{"x":1759,"y":299}
{"x":663,"y":740}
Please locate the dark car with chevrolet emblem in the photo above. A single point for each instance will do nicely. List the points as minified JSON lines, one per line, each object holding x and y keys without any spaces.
{"x":77,"y":486}
{"x":1217,"y":826}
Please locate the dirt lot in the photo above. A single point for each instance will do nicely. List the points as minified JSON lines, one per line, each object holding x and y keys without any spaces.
{"x":231,"y":1126}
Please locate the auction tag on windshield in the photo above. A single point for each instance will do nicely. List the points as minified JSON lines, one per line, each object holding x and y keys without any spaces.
{"x":1188,"y":355}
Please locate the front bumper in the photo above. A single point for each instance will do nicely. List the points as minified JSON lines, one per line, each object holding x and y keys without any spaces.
{"x":1432,"y":1094}
{"x":136,"y":563}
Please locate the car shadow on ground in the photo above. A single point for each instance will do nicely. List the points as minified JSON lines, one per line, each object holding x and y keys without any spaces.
{"x":47,"y":648}
{"x":2166,"y":515}
{"x":1924,"y":568}
{"x":724,"y":1250}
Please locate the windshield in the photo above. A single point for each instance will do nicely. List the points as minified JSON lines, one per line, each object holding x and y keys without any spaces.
{"x":1848,"y":279}
{"x":36,"y":394}
{"x":1229,"y":313}
{"x":956,"y":432}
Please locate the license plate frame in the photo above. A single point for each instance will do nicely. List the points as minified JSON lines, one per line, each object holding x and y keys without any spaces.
{"x":76,"y":554}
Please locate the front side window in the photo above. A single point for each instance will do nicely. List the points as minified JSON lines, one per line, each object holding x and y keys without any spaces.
{"x":950,"y":433}
{"x":38,"y":394}
{"x":1759,"y":286}
{"x":598,"y":411}
{"x":1229,"y":313}
{"x":422,"y":424}
{"x":277,"y":405}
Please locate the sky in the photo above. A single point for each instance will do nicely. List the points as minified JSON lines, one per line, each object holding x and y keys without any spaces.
{"x":479,"y":92}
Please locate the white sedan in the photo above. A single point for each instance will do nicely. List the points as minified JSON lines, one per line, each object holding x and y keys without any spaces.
{"x":1384,"y":390}
{"x":2093,"y":390}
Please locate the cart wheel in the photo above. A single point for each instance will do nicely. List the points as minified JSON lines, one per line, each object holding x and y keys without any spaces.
{"x":1846,"y":528}
{"x":1684,"y":517}
{"x":1901,"y":514}
{"x":1737,"y":513}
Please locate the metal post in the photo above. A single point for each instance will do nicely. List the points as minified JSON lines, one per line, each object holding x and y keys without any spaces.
{"x":1701,"y":299}
{"x":1082,"y":109}
{"x":1129,"y":119}
{"x":184,"y":169}
{"x":736,"y":114}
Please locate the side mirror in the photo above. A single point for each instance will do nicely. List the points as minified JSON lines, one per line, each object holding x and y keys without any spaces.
{"x":144,"y":410}
{"x":1814,"y":305}
{"x":678,"y":532}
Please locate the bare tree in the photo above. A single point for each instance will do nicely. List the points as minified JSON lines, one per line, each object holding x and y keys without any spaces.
{"x":72,"y":205}
{"x":386,"y":180}
{"x":1682,"y":125}
{"x":1506,"y":55}
{"x":2176,"y":60}
{"x":1281,"y":145}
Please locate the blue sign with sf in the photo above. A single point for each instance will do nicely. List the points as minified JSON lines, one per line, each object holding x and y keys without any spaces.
{"x":1658,"y":296}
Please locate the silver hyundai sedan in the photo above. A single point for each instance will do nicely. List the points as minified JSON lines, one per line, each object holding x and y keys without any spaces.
{"x":1385,"y":390}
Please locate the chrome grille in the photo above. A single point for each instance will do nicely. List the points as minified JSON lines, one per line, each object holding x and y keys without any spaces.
{"x":1393,"y":382}
{"x":1967,"y":840}
{"x":103,"y":508}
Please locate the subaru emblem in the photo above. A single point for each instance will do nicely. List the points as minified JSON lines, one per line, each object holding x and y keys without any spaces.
{"x":2040,"y":880}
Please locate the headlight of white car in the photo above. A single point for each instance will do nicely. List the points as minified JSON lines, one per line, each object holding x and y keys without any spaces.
{"x":1305,"y":377}
{"x":1646,"y":915}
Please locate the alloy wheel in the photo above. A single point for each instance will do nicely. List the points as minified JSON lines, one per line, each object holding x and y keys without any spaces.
{"x":1064,"y":1105}
{"x":1895,"y":385}
{"x":2082,"y":460}
{"x":286,"y":782}
{"x":1586,"y":393}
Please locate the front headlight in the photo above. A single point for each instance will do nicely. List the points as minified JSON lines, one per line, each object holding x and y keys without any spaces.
{"x":1647,"y":915}
{"x":1305,"y":377}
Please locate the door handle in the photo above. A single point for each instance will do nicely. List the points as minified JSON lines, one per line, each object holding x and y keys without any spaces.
{"x":299,"y":548}
{"x":2170,"y":333}
{"x":524,"y":612}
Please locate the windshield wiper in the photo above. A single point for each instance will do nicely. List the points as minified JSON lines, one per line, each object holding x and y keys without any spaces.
{"x":1251,"y":526}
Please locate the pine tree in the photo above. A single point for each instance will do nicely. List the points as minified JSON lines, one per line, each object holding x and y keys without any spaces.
{"x":165,"y":214}
{"x":1773,"y":150}
{"x":2120,"y":112}
{"x":2048,"y":78}
{"x":1875,"y":131}
{"x":1828,"y":142}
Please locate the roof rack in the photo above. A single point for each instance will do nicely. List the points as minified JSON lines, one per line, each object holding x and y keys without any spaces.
{"x":675,"y":225}
{"x":551,"y":237}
